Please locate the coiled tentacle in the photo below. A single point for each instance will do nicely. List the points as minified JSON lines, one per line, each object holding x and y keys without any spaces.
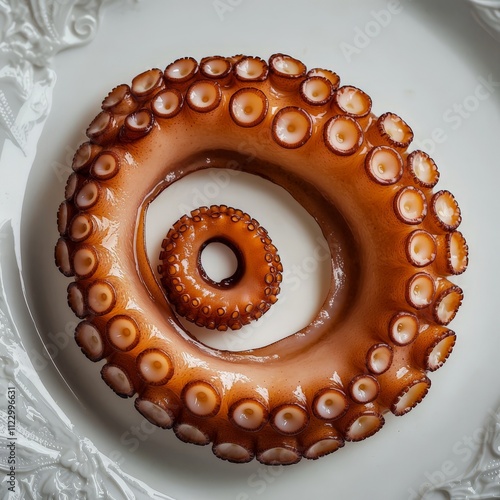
{"x":393,"y":240}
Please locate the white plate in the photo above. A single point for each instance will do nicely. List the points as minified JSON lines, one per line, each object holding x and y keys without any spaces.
{"x":427,"y":61}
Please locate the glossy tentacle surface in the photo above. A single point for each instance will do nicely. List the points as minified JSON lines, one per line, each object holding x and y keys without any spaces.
{"x":236,"y":300}
{"x":393,"y":242}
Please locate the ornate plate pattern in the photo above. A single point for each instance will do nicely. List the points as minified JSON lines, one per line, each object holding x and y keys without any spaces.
{"x":487,"y":14}
{"x":51,"y":459}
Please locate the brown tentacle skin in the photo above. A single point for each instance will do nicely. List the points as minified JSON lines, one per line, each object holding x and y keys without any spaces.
{"x":394,"y":239}
{"x":235,"y":301}
{"x":160,"y":406}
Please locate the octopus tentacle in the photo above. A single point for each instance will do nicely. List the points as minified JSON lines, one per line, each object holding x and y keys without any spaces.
{"x":76,"y":299}
{"x":421,"y":248}
{"x":379,"y":358}
{"x":445,"y":211}
{"x":191,"y":433}
{"x":84,"y":261}
{"x":353,"y":102}
{"x":148,"y":83}
{"x":88,"y":195}
{"x":361,"y":422}
{"x":453,"y":253}
{"x":420,"y":290}
{"x":433,"y":347}
{"x":391,"y":130}
{"x":204,"y":96}
{"x":353,"y":173}
{"x":120,"y":101}
{"x":84,"y":156}
{"x":81,"y":227}
{"x":282,"y":450}
{"x":73,"y":183}
{"x":196,"y":298}
{"x":103,"y":128}
{"x":201,"y":398}
{"x":160,"y":408}
{"x":122,"y":332}
{"x":100,"y":297}
{"x":118,"y":379}
{"x":105,"y":166}
{"x":329,"y":75}
{"x":286,"y":72}
{"x":238,"y":453}
{"x":330,"y":403}
{"x":167,"y":103}
{"x":364,"y":388}
{"x":181,"y":71}
{"x":410,"y":205}
{"x":448,"y":301}
{"x":384,"y":165}
{"x":403,"y":328}
{"x":251,"y":69}
{"x":316,"y":91}
{"x":292,"y":127}
{"x":249,"y":414}
{"x":423,"y":169}
{"x":289,"y":419}
{"x":155,"y":366}
{"x":410,"y":396}
{"x":321,"y":440}
{"x":343,"y":135}
{"x":248,"y":107}
{"x":137,"y":125}
{"x":90,"y":340}
{"x":217,"y":67}
{"x":404,"y":392}
{"x":62,"y":256}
